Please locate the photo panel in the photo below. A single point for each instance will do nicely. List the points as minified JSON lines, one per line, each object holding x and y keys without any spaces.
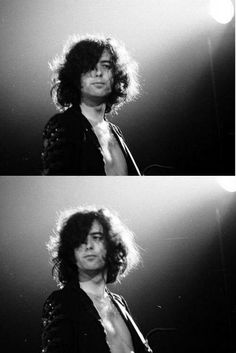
{"x":182,"y":294}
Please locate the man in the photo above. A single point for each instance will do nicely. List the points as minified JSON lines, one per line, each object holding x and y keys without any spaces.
{"x":90,"y":249}
{"x":93,"y":77}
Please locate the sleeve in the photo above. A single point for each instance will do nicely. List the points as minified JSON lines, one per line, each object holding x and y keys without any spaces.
{"x":60,"y":147}
{"x":57,"y":329}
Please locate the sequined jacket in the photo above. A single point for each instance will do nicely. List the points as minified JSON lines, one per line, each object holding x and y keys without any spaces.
{"x":71,"y":324}
{"x":70,"y":146}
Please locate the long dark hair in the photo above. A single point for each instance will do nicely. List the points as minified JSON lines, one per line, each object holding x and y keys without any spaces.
{"x":72,"y":229}
{"x":80,"y":55}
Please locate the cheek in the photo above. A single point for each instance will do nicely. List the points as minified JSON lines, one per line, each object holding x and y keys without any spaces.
{"x":84,"y":80}
{"x":108,"y":77}
{"x":82,"y":83}
{"x":77,"y":256}
{"x":111,"y":79}
{"x":111,"y":82}
{"x":103,"y":252}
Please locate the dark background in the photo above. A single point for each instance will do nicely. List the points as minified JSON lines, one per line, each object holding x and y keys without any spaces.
{"x":185,"y":227}
{"x":183,"y":123}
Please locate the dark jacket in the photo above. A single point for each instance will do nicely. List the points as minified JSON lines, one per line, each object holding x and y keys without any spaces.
{"x":71,"y":324}
{"x":70,"y":146}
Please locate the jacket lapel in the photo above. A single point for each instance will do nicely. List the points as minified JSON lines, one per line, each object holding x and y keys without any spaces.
{"x":86,"y":301}
{"x":129,"y":320}
{"x":125,"y":149}
{"x":132,"y":166}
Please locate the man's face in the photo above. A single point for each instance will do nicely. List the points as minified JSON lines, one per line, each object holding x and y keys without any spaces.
{"x":91,"y":255}
{"x":97,"y":84}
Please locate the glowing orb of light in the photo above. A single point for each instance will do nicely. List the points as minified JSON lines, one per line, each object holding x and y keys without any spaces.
{"x":228,"y":183}
{"x":222,"y":10}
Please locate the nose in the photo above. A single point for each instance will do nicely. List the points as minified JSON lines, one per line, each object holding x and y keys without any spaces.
{"x":89,"y":243}
{"x":97,"y":71}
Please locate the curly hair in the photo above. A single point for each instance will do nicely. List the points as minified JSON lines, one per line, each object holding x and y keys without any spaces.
{"x":73,"y":226}
{"x":80,"y":55}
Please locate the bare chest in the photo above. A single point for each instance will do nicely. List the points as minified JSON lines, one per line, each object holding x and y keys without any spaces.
{"x":118,"y":335}
{"x":115,"y":163}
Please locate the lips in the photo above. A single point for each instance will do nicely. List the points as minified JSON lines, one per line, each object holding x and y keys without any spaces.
{"x":90,"y":256}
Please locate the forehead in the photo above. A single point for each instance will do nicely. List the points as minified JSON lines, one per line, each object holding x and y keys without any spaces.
{"x":96,"y":227}
{"x":106,"y":56}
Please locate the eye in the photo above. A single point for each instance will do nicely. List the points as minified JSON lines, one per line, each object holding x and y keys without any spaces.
{"x":107,"y":66}
{"x":97,"y":237}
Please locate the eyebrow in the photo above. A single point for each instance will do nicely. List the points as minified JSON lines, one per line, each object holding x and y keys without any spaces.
{"x":93,"y":233}
{"x":105,"y":61}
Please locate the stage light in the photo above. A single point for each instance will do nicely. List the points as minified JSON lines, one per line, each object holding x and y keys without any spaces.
{"x":228,"y":183}
{"x":222,"y":10}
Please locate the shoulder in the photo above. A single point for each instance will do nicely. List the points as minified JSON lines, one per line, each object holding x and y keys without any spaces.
{"x":58,"y":301}
{"x":64,"y":120}
{"x":120,"y":299}
{"x":116,"y":296}
{"x":60,"y":294}
{"x":116,"y":128}
{"x":61,"y":117}
{"x":53,"y":299}
{"x":65,"y":123}
{"x":67,"y":295}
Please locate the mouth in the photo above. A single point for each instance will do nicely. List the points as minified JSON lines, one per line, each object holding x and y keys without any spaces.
{"x":89,"y":256}
{"x":98,"y":83}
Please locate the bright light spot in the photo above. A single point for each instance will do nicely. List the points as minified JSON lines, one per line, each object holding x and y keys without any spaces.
{"x":228,"y":183}
{"x":222,"y":10}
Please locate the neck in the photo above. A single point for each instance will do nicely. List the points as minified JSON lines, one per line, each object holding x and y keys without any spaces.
{"x":94,"y":285}
{"x":94,"y":113}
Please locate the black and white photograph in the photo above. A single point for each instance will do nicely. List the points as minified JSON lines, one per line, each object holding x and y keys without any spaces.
{"x":117,"y":87}
{"x":117,"y":176}
{"x":140,"y":264}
